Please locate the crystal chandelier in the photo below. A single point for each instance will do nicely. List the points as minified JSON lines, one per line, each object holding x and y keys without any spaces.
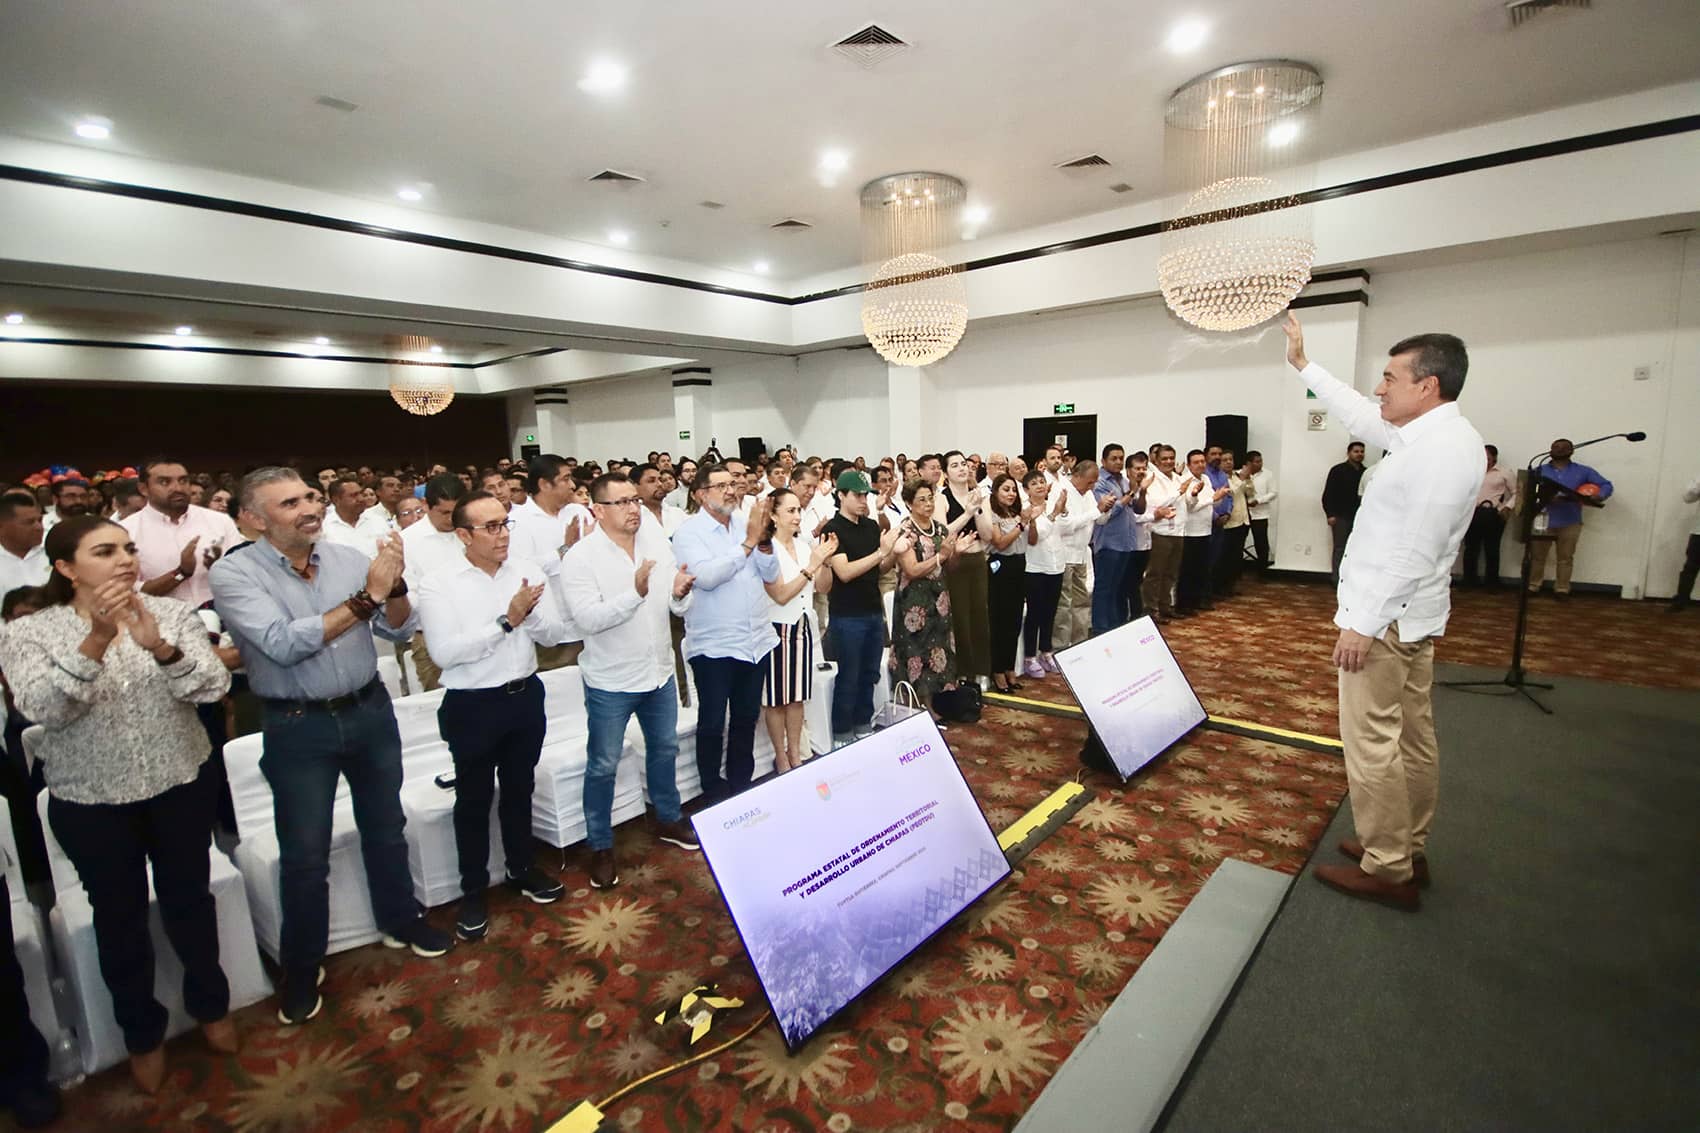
{"x":914,"y":304}
{"x":1237,"y":155}
{"x":422,"y":388}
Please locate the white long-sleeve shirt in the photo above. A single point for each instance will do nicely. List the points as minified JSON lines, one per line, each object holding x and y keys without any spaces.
{"x":363,"y":534}
{"x":1690,"y":495}
{"x":1165,"y":492}
{"x":1264,"y":490}
{"x":1075,"y":529}
{"x":425,"y":550}
{"x":628,"y":640}
{"x":459,"y":611}
{"x":1398,"y":562}
{"x":1195,"y":510}
{"x":539,"y":536}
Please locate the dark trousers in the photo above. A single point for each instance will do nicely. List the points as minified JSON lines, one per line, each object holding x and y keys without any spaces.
{"x":1690,"y":571}
{"x":20,"y":786}
{"x":495,"y":735}
{"x":111,"y":846}
{"x":1340,"y":530}
{"x":1006,"y":591}
{"x":23,"y":1052}
{"x":727,"y":687}
{"x":1044,"y":592}
{"x":1109,"y":574}
{"x":1194,"y":582}
{"x":1133,"y":584}
{"x":1482,"y":540}
{"x":306,"y":749}
{"x":212,"y":720}
{"x":857,"y":642}
{"x":1225,"y":577}
{"x":1260,"y":540}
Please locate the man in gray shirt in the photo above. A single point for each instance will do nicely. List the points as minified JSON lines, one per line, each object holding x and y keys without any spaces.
{"x":302,"y":613}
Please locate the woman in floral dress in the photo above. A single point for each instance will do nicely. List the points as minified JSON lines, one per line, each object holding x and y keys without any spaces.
{"x":923,"y":650}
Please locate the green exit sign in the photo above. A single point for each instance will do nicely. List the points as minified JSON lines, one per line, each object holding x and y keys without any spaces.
{"x":1063,"y":407}
{"x":531,"y":438}
{"x":684,"y":434}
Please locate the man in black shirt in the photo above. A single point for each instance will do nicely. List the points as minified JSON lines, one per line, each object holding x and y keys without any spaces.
{"x":1340,"y":499}
{"x":856,"y":622}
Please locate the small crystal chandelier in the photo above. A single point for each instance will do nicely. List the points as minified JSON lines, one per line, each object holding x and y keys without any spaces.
{"x":914,"y":304}
{"x":1238,"y":155}
{"x":422,"y":388}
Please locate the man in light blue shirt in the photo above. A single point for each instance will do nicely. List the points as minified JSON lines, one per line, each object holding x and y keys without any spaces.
{"x":1114,"y":541}
{"x":728,"y":634}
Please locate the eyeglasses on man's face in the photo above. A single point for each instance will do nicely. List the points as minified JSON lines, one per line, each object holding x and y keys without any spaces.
{"x":494,"y":527}
{"x":624,"y":501}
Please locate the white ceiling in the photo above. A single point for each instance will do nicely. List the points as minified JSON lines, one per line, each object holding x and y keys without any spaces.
{"x":734,"y":101}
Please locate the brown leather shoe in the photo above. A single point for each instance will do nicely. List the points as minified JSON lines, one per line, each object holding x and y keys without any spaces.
{"x":603,"y":873}
{"x":1353,"y":881}
{"x":221,"y":1036}
{"x":1354,"y":849}
{"x":149,"y":1069}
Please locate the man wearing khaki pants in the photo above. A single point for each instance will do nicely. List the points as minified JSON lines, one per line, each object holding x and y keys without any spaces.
{"x":1394,"y":599}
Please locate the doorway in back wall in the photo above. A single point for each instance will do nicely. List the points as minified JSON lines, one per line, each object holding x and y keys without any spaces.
{"x":1076,"y":433}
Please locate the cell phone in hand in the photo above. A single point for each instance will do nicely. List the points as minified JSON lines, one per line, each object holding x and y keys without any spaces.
{"x":446,"y":780}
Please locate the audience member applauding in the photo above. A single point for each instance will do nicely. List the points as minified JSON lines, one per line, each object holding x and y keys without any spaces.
{"x":964,"y":505}
{"x":1233,"y":530}
{"x":429,"y":547}
{"x":923,"y":649}
{"x":651,"y":485}
{"x":1006,"y":583}
{"x":1076,"y":513}
{"x":112,"y":676}
{"x":728,"y":632}
{"x":303,"y":615}
{"x":1197,"y":507}
{"x":789,"y":681}
{"x":857,"y":628}
{"x":349,"y":522}
{"x":410,"y":511}
{"x":176,"y":540}
{"x":1114,"y":541}
{"x":546,"y":526}
{"x":1044,"y":574}
{"x":482,"y":620}
{"x":1168,"y":536}
{"x":23,"y":560}
{"x":1260,"y":499}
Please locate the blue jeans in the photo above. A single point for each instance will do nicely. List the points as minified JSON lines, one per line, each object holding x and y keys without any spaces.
{"x":1109,"y":575}
{"x":305,"y":750}
{"x":726,"y":687}
{"x":858,"y":640}
{"x":658,"y":716}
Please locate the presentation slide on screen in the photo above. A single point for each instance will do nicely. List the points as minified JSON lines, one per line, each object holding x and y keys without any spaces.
{"x":1133,"y":692}
{"x":836,"y":871}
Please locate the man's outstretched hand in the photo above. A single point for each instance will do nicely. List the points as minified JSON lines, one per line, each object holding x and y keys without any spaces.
{"x":1295,"y":342}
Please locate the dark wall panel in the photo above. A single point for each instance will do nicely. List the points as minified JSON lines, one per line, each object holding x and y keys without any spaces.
{"x":108,"y":427}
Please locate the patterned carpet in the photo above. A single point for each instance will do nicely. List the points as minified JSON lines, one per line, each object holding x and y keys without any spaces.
{"x":557,"y":1004}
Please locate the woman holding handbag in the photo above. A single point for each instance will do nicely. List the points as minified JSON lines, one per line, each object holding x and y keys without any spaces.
{"x":113,"y":677}
{"x":788,"y":681}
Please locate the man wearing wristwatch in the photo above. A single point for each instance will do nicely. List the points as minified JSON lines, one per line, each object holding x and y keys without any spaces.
{"x":483,"y":621}
{"x":727,"y":632}
{"x":303,"y":615}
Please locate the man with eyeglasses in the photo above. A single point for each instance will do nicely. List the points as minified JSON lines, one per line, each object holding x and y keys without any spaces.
{"x":483,"y":621}
{"x":728,"y":634}
{"x":620,"y":582}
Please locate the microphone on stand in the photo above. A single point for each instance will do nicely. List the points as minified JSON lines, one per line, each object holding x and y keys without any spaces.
{"x":1634,"y":437}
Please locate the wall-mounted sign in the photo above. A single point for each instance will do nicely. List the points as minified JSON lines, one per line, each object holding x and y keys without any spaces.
{"x":1063,"y":407}
{"x":531,"y":438}
{"x":1316,"y":421}
{"x":684,"y":434}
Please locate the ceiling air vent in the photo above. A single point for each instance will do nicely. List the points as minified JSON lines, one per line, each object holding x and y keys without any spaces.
{"x":870,"y":47}
{"x":1121,"y":187}
{"x":712,"y":204}
{"x":1090,"y":161}
{"x":1522,"y":11}
{"x":333,"y":103}
{"x":615,"y":177}
{"x":791,"y":224}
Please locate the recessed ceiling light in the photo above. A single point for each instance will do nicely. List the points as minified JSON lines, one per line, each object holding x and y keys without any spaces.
{"x":759,"y":267}
{"x":409,"y":193}
{"x":1282,"y":133}
{"x":604,"y":77}
{"x":834,"y":161}
{"x":1188,"y":35}
{"x":976,"y":214}
{"x":15,"y":318}
{"x":184,"y":331}
{"x":321,"y":341}
{"x":94,"y":129}
{"x":620,"y":238}
{"x":435,"y":349}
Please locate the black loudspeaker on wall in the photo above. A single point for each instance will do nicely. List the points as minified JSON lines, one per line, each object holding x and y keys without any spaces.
{"x":751,"y":447}
{"x":1228,"y":431}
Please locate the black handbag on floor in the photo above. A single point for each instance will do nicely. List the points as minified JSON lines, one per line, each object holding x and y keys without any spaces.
{"x":960,"y":705}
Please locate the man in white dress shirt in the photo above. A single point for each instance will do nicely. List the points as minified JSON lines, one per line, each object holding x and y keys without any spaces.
{"x":429,"y":546}
{"x":652,"y":493}
{"x":1260,"y":499}
{"x":23,"y":562}
{"x":1394,"y":599}
{"x":350,"y":524}
{"x":1076,"y":512}
{"x":481,"y":619}
{"x":620,"y":582}
{"x":545,"y":526}
{"x":389,"y":494}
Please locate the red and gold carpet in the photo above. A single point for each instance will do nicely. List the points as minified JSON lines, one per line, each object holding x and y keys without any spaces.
{"x":557,"y":1004}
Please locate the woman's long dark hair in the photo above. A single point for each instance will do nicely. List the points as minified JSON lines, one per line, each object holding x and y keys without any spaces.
{"x":997,"y":508}
{"x":61,"y":546}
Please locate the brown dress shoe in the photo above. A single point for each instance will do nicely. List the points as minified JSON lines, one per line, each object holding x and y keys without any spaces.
{"x":149,"y":1069}
{"x":1354,"y":849}
{"x":603,"y":873}
{"x":1351,"y":880}
{"x":221,"y":1036}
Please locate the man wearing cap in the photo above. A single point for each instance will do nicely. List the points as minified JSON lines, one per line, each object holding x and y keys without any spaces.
{"x":857,"y":625}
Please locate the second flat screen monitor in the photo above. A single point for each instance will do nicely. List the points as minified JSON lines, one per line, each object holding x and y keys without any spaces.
{"x":1133,"y":692}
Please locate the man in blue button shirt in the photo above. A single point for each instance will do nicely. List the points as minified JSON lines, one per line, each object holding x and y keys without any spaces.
{"x":302,"y":613}
{"x":1564,"y":516}
{"x":728,"y":632}
{"x":1114,"y":541}
{"x":1221,"y":511}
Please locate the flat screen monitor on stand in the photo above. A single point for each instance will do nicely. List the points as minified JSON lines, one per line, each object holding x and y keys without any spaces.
{"x":1133,"y":693}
